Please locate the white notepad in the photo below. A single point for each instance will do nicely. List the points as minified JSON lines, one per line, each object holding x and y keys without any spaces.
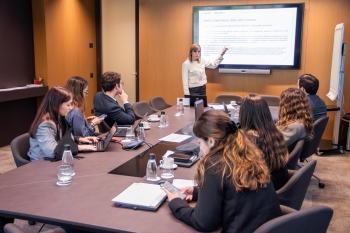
{"x":141,"y":196}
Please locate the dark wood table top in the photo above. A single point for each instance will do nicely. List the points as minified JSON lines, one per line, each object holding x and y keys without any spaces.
{"x":30,"y":192}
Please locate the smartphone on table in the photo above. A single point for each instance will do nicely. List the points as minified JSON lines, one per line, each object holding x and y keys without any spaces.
{"x":102,"y":116}
{"x":171,"y":188}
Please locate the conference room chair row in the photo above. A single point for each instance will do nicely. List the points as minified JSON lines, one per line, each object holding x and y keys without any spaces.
{"x":158,"y":103}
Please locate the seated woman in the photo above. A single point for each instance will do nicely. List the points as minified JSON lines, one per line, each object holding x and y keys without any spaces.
{"x":50,"y":126}
{"x":256,"y":121}
{"x":234,"y":189}
{"x":81,"y":126}
{"x":295,"y":117}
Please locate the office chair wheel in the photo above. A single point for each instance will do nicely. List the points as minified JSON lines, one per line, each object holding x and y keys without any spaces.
{"x":31,"y":223}
{"x":321,"y":185}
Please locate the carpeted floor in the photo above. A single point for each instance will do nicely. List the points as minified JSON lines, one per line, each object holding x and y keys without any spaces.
{"x":333,"y":169}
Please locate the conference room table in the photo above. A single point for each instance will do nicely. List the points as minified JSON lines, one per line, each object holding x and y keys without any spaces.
{"x":30,"y":191}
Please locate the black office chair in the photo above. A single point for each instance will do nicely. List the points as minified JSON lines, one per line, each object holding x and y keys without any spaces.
{"x":12,"y":228}
{"x":158,"y":103}
{"x":271,"y":100}
{"x":310,"y":147}
{"x":227,"y":98}
{"x":314,"y":219}
{"x":292,"y":163}
{"x":292,"y":194}
{"x":141,"y":108}
{"x":20,"y":147}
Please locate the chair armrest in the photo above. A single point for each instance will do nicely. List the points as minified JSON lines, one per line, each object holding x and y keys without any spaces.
{"x":287,"y":210}
{"x":291,"y":173}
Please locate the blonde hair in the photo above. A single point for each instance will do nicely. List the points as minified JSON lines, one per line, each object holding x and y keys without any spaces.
{"x":195,"y":48}
{"x":233,"y":154}
{"x":295,"y":106}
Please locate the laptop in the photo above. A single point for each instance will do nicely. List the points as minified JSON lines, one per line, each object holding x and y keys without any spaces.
{"x":102,"y":144}
{"x":142,"y":196}
{"x":198,"y":109}
{"x":226,"y":109}
{"x":194,"y":97}
{"x":122,"y":130}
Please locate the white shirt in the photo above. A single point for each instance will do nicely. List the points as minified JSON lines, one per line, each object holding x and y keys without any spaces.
{"x":193,"y":73}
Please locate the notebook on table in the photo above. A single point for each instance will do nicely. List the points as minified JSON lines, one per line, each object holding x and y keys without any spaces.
{"x":141,"y":196}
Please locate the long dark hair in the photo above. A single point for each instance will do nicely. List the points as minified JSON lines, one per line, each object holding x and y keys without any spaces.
{"x":76,"y":85}
{"x":256,"y":120}
{"x":49,"y":109}
{"x":233,"y":154}
{"x":295,"y":106}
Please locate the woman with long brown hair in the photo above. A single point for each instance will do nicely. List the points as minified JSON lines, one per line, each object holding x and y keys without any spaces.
{"x":295,"y":119}
{"x":256,"y":121}
{"x":234,"y":188}
{"x":50,"y":126}
{"x":81,"y":126}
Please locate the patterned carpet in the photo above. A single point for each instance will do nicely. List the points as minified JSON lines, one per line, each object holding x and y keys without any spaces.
{"x":333,"y":169}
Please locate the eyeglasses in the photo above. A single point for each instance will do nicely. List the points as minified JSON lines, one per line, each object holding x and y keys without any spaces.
{"x":85,"y":92}
{"x":122,"y":83}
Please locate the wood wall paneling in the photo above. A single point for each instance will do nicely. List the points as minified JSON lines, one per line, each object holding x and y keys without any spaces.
{"x":62,"y":33}
{"x":167,"y":26}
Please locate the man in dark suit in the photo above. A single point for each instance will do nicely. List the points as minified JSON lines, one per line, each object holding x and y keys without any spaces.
{"x":106,"y":103}
{"x":309,"y":84}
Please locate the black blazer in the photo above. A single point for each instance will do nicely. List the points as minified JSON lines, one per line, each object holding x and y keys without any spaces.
{"x":104,"y":104}
{"x":216,"y":206}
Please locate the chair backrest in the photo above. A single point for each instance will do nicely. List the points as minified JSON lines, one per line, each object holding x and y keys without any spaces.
{"x":158,"y":103}
{"x":292,"y":194}
{"x":141,"y":108}
{"x":226,"y":98}
{"x":271,"y":100}
{"x":310,"y":147}
{"x":12,"y":228}
{"x":314,"y":219}
{"x":294,"y":155}
{"x":103,"y":127}
{"x":20,"y":147}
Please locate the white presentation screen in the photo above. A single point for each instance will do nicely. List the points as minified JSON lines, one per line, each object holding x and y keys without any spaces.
{"x":258,"y":36}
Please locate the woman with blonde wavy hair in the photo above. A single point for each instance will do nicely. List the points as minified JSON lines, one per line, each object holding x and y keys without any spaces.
{"x":295,"y":117}
{"x":256,"y":121}
{"x":234,"y":189}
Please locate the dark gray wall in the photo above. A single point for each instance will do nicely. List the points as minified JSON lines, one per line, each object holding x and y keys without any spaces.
{"x":17,"y":67}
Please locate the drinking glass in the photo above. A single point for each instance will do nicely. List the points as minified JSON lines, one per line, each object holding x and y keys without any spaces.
{"x":130,"y":135}
{"x":64,"y":175}
{"x":167,"y":168}
{"x":166,"y":120}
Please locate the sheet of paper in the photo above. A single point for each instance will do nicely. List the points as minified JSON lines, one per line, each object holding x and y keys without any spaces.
{"x":221,"y":107}
{"x":140,"y":194}
{"x":332,"y":95}
{"x":179,"y":183}
{"x":175,"y":138}
{"x":167,"y":153}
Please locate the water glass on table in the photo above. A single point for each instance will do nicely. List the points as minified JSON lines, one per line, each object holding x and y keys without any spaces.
{"x":64,"y":175}
{"x":130,"y":134}
{"x":167,"y":168}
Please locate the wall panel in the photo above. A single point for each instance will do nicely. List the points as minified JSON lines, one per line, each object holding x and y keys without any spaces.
{"x":166,"y":34}
{"x":62,"y":33}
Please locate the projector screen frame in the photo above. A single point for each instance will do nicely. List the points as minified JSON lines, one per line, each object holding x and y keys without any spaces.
{"x":297,"y":41}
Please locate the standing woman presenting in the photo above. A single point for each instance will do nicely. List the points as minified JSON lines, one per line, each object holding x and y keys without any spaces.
{"x":193,"y":71}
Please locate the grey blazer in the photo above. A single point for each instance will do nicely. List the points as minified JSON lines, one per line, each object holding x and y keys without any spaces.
{"x":45,"y":142}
